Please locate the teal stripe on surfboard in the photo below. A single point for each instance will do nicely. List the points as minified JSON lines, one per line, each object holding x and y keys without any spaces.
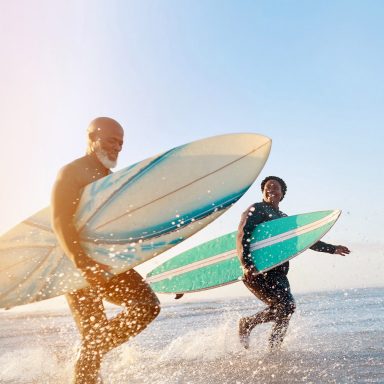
{"x":215,"y":262}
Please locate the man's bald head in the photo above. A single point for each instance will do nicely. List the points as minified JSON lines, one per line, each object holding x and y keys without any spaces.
{"x":102,"y":125}
{"x":105,"y":139}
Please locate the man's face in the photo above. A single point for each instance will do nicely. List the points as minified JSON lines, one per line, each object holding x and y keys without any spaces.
{"x":108,"y":144}
{"x":272,"y":192}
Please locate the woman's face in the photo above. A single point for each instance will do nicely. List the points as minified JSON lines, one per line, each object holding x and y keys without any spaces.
{"x":272,"y":193}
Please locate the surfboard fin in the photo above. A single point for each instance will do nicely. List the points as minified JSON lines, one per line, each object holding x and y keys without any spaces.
{"x":179,"y":296}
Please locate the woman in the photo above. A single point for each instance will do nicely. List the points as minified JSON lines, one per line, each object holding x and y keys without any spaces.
{"x":271,"y":287}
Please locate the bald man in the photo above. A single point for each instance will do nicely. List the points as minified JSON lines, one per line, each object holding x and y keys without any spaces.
{"x":129,"y":290}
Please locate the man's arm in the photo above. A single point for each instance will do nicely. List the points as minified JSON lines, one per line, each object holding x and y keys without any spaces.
{"x":65,"y":200}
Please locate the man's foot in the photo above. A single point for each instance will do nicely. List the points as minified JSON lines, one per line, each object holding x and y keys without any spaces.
{"x":275,"y":345}
{"x":274,"y":349}
{"x":87,"y":366}
{"x":244,"y":333}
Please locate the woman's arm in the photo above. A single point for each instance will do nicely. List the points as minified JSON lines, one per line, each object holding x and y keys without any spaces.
{"x":249,"y":220}
{"x":320,"y":246}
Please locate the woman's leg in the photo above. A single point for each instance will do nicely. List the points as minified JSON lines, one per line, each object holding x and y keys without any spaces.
{"x":274,"y":291}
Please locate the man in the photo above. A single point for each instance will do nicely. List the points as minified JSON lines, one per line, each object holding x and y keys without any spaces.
{"x":271,"y":287}
{"x":129,"y":290}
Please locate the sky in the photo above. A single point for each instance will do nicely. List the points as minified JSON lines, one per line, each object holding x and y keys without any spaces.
{"x":307,"y":74}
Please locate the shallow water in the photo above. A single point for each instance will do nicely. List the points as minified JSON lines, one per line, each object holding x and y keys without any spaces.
{"x":334,"y":337}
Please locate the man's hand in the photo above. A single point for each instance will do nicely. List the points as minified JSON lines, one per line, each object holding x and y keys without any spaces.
{"x":341,"y":250}
{"x":94,"y":272}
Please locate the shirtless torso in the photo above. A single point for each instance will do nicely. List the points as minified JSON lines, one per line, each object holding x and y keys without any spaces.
{"x":129,"y":290}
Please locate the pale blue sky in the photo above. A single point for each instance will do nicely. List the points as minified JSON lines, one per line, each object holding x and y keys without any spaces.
{"x":308,"y":74}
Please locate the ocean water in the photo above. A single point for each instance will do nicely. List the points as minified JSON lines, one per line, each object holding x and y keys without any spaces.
{"x":334,"y":337}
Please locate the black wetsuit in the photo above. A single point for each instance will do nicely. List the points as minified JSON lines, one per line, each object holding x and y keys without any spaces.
{"x":272,"y":287}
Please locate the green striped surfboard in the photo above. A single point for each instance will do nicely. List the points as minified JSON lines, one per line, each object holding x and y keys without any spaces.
{"x":215,"y":263}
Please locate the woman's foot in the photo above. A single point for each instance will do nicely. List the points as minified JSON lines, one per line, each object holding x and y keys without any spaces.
{"x":244,"y":333}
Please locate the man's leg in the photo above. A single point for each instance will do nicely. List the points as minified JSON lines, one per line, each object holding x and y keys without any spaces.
{"x":100,"y":335}
{"x":141,"y":306}
{"x":88,"y":312}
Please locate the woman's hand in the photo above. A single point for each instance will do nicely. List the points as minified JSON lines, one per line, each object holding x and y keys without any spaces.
{"x":341,"y":250}
{"x":250,"y":271}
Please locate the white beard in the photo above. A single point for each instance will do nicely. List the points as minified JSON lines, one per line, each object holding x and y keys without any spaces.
{"x":104,"y":159}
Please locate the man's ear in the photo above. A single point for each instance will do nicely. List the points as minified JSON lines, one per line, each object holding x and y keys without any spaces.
{"x":92,"y":136}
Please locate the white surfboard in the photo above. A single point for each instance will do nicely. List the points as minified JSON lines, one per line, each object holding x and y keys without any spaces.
{"x":132,"y":215}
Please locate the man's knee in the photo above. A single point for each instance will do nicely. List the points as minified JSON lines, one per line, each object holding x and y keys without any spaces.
{"x":145,"y":305}
{"x":153,"y":307}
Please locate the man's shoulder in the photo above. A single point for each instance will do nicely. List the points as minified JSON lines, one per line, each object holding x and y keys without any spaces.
{"x":71,"y":171}
{"x":75,"y":165}
{"x":81,"y":171}
{"x":79,"y":162}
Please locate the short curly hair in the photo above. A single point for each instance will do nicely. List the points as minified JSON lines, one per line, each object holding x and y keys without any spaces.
{"x":279,"y":180}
